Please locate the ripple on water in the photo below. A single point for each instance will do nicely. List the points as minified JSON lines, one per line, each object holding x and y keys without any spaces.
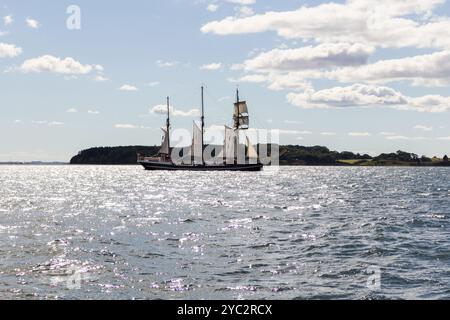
{"x":307,"y":233}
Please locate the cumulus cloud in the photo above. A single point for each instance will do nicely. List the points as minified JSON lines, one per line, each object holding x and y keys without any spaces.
{"x":72,"y":110}
{"x":423,"y":128}
{"x":431,"y":69}
{"x":211,"y":66}
{"x":55,"y":124}
{"x":32,"y":23}
{"x":48,"y":123}
{"x":360,"y":95}
{"x":51,"y":64}
{"x":385,"y":23}
{"x":322,"y":56}
{"x":359,"y":134}
{"x":9,"y":50}
{"x":100,"y":78}
{"x":8,"y":20}
{"x":212,"y":7}
{"x":244,"y":11}
{"x":125,"y":126}
{"x":276,"y":81}
{"x":128,"y":88}
{"x":166,"y":64}
{"x":162,"y":109}
{"x":242,"y":2}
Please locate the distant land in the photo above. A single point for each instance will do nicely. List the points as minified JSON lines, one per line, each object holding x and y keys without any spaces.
{"x":34,"y":163}
{"x":290,"y":155}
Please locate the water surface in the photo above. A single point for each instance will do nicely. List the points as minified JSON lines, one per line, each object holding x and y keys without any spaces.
{"x":302,"y":233}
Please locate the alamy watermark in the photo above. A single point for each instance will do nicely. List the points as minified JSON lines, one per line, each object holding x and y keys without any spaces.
{"x":73,"y":22}
{"x":234,"y":148}
{"x":73,"y":280}
{"x":374,"y":279}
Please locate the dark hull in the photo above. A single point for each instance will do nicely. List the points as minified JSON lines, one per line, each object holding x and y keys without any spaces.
{"x":155,"y":166}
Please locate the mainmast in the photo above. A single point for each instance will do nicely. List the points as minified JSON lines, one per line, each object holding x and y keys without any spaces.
{"x":236,"y":124}
{"x":203,"y":126}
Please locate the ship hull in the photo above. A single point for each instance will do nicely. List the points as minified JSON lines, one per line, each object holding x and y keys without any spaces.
{"x":160,"y":166}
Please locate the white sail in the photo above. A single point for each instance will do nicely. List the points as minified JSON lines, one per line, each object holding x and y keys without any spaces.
{"x":165,"y":149}
{"x":230,"y":145}
{"x":197,"y":147}
{"x":251,"y":151}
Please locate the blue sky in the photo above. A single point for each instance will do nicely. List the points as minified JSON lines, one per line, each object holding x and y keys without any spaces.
{"x":366,"y":76}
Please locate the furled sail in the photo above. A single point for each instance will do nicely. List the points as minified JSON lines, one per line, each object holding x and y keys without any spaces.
{"x":197,"y":147}
{"x":165,"y":148}
{"x":244,"y":121}
{"x":241,"y":117}
{"x":251,"y":151}
{"x":240,"y":108}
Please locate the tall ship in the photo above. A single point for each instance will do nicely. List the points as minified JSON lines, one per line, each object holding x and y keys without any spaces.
{"x":232,"y":156}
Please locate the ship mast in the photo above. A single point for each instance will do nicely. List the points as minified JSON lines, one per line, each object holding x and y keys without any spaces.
{"x":168,"y":122}
{"x":203,"y":126}
{"x":236,"y":124}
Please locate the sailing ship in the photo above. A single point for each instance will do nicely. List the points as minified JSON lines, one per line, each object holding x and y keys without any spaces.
{"x":230,"y":158}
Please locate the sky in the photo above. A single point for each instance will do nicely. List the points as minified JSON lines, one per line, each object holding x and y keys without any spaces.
{"x":359,"y":75}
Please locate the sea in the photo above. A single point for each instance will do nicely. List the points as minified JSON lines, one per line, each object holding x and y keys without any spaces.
{"x":119,"y":232}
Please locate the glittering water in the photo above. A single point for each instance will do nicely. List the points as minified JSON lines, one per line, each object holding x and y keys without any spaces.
{"x":307,"y":233}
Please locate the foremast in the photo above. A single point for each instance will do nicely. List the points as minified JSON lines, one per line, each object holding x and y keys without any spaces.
{"x":164,"y":152}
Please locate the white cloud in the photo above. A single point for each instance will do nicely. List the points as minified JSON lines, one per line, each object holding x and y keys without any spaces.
{"x":100,"y":78}
{"x":166,"y":64}
{"x":39,"y":122}
{"x":397,"y":138}
{"x":385,"y":23}
{"x":8,"y":20}
{"x":72,"y":110}
{"x":211,"y":66}
{"x":278,"y":81}
{"x":359,"y":134}
{"x":153,"y":84}
{"x":51,"y":64}
{"x":128,"y":88}
{"x":56,"y":124}
{"x":244,"y":11}
{"x":294,"y":132}
{"x":431,"y":69}
{"x":48,"y":123}
{"x":444,"y":138}
{"x":126,"y":126}
{"x":95,"y":112}
{"x":360,"y":95}
{"x":328,"y":133}
{"x":423,"y":128}
{"x":242,"y":2}
{"x":212,"y":7}
{"x":384,"y":133}
{"x":32,"y":23}
{"x":318,"y":57}
{"x":162,"y":109}
{"x":9,"y":50}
